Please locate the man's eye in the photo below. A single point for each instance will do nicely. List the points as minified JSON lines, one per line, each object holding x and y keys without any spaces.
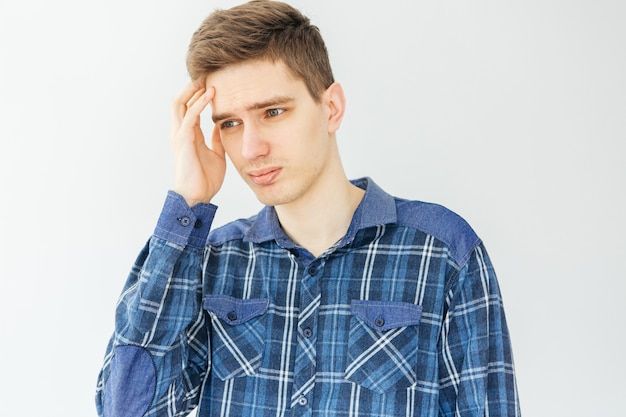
{"x":275,"y":112}
{"x":229,"y":124}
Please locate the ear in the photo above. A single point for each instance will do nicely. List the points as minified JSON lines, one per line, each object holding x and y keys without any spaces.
{"x":335,"y":102}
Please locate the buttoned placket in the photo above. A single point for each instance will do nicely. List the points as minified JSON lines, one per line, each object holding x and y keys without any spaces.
{"x":306,"y":354}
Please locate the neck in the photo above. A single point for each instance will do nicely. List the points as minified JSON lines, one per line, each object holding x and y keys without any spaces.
{"x":319,"y":221}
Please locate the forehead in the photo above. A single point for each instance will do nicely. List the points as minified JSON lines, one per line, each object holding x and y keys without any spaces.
{"x":242,"y":85}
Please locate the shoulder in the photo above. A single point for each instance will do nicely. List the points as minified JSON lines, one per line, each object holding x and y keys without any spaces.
{"x":441,"y":223}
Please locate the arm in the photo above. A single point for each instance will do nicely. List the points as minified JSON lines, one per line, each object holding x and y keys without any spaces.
{"x":158,"y":355}
{"x":476,"y":370}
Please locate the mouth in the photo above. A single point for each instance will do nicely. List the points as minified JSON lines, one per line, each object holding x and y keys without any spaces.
{"x":264,"y":176}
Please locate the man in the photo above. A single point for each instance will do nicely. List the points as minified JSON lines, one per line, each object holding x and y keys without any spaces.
{"x":336,"y":299}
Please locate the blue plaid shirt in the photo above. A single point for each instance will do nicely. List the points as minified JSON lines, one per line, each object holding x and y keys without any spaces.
{"x":401,"y":317}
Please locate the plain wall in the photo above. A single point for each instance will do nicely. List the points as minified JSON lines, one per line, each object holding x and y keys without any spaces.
{"x":511,"y":113}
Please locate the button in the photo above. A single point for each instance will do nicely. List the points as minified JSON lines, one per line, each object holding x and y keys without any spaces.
{"x":232,"y":316}
{"x":185,"y":221}
{"x":197,"y":224}
{"x":379,"y":322}
{"x":313,"y":270}
{"x":303,"y":401}
{"x":307,"y":332}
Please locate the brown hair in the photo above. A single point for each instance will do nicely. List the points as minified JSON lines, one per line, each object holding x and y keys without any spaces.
{"x":259,"y":30}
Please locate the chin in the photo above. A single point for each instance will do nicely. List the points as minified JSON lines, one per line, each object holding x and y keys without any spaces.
{"x":272,"y":196}
{"x":271,"y":200}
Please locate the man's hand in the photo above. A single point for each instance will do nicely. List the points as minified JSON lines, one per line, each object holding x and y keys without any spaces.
{"x":199,"y":169}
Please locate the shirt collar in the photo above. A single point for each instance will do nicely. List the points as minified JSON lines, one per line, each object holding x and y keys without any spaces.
{"x":375,"y":209}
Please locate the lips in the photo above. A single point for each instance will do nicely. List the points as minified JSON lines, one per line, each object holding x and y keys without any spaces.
{"x":264,"y":176}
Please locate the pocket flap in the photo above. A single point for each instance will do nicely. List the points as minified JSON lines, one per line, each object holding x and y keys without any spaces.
{"x":386,"y":315}
{"x":234,"y":310}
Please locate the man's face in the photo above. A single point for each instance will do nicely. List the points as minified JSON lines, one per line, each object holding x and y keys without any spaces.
{"x":276,"y":135}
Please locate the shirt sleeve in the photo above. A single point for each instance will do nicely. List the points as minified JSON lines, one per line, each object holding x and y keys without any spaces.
{"x":158,"y":355}
{"x":476,"y":372}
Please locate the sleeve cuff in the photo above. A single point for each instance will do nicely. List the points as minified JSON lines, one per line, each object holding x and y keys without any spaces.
{"x":184,"y":225}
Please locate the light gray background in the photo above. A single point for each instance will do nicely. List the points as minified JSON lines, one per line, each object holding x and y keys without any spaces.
{"x":511,"y":113}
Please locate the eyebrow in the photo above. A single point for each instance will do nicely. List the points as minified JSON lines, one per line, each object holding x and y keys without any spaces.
{"x":271,"y":102}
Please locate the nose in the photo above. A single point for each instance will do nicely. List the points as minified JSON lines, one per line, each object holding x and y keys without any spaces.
{"x":253,"y":145}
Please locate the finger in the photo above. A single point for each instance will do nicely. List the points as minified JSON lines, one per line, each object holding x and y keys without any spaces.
{"x":187,"y":92}
{"x":216,"y":142}
{"x":195,"y":97}
{"x":192,"y":115}
{"x":190,"y":103}
{"x":179,"y":103}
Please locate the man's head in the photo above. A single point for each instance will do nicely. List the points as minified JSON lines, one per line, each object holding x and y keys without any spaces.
{"x":261,"y":30}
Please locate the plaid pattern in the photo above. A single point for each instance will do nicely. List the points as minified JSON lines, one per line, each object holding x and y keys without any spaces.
{"x":402,"y":317}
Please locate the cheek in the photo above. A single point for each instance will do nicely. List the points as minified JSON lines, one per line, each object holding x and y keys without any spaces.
{"x":309,"y":132}
{"x":232,"y":151}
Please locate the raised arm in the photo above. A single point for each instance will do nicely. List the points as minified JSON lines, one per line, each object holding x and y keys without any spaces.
{"x":158,"y":355}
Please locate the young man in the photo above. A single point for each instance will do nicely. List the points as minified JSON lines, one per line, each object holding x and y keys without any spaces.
{"x":336,"y":299}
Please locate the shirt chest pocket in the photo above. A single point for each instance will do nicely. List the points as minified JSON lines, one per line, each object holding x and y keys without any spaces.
{"x":237,"y":334}
{"x":382,"y":345}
